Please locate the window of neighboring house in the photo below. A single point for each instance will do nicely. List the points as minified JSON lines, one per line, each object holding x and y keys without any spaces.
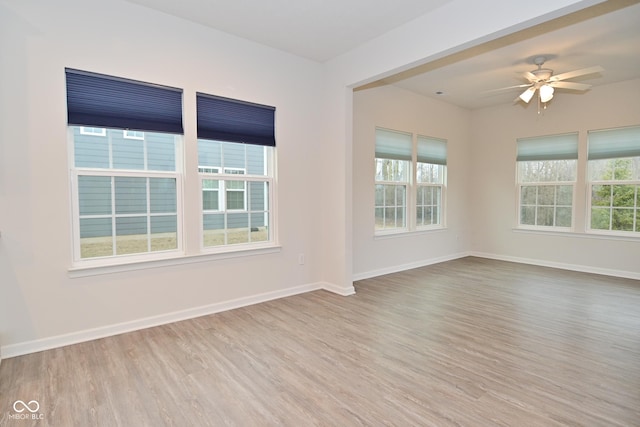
{"x":546,"y":176}
{"x":614,"y":181}
{"x":133,"y":134}
{"x":236,"y":168}
{"x":392,"y":180}
{"x":92,"y":131}
{"x":126,"y":193}
{"x":431,"y":167}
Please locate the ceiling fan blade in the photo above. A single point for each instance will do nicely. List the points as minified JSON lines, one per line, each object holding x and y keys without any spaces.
{"x":526,"y":95}
{"x":506,"y":88}
{"x":530,"y":76}
{"x":570,"y":85}
{"x":576,"y":73}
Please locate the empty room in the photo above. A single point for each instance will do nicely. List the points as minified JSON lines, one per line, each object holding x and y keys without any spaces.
{"x":408,"y":213}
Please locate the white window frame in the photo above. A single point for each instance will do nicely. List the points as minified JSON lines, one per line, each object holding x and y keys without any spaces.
{"x":611,"y":145}
{"x":635,"y":208}
{"x":441,"y":202}
{"x":555,"y":206}
{"x":613,"y":182}
{"x":542,"y":149}
{"x":222,"y":175}
{"x":133,"y":134}
{"x":405,"y":219}
{"x":439,"y":206}
{"x":93,"y":131}
{"x":243,"y":190}
{"x":113,"y":260}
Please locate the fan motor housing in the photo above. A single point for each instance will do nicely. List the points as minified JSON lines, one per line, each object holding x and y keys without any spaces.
{"x":542,"y":74}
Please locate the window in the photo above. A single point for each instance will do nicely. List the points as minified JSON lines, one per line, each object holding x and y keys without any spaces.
{"x":92,"y":131}
{"x":133,"y":134}
{"x":614,"y":180}
{"x":405,"y":183}
{"x":430,"y":179}
{"x":127,"y":197}
{"x":393,"y":169}
{"x":126,"y":157}
{"x":235,"y":161}
{"x":547,"y":168}
{"x":126,"y":190}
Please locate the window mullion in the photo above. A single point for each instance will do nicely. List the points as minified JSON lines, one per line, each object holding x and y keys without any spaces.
{"x":148,"y":196}
{"x":113,"y":215}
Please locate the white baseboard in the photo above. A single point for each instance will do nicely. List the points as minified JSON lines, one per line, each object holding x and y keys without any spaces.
{"x":34,"y":346}
{"x":409,"y":266}
{"x":560,"y":265}
{"x":344,"y":291}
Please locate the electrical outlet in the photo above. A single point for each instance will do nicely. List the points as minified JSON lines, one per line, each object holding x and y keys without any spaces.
{"x":301,"y":259}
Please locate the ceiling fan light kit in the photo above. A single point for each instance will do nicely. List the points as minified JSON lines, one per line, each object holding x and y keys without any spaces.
{"x":546,"y":93}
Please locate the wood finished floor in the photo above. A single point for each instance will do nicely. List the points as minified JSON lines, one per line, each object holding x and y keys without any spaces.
{"x":470,"y":342}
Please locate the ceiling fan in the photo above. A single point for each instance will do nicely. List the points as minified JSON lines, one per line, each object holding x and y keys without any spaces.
{"x":545,"y":82}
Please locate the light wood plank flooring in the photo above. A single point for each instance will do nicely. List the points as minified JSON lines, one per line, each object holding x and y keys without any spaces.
{"x":470,"y":342}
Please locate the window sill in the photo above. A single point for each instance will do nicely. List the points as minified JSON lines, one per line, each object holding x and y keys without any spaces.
{"x":407,"y":233}
{"x":97,"y":270}
{"x":580,"y":235}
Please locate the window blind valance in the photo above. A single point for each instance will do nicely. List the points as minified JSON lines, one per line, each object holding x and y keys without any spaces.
{"x":232,"y":120}
{"x":614,"y":143}
{"x":393,"y":145}
{"x":113,"y":102}
{"x":432,"y":150}
{"x":553,"y":147}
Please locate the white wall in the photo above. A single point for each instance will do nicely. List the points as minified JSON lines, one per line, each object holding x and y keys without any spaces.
{"x":493,"y":190}
{"x":40,"y":39}
{"x":398,"y":109}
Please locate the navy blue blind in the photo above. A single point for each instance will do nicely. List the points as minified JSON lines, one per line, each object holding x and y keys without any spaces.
{"x":113,"y":102}
{"x":231,"y":120}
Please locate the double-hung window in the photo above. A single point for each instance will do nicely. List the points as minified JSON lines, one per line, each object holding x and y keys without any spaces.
{"x":430,"y":179}
{"x":126,"y":185}
{"x":409,"y":179}
{"x":393,"y":171}
{"x":236,"y":143}
{"x":614,"y":181}
{"x":546,"y":170}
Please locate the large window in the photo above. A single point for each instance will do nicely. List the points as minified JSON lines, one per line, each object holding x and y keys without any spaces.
{"x":235,"y":159}
{"x":547,"y":168}
{"x":614,"y":181}
{"x":126,"y":184}
{"x":393,"y":170}
{"x":408,"y":180}
{"x":430,"y":178}
{"x":235,"y":211}
{"x":126,"y":194}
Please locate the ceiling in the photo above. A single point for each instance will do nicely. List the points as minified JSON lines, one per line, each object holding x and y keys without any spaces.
{"x":607,"y":34}
{"x":314,"y":29}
